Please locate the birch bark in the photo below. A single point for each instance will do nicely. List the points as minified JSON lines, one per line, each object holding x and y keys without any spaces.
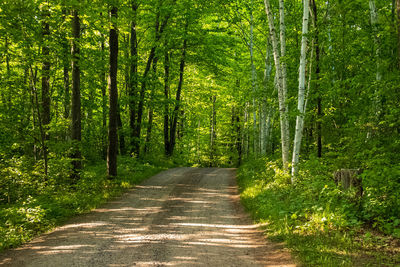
{"x":301,"y":96}
{"x":281,"y":78}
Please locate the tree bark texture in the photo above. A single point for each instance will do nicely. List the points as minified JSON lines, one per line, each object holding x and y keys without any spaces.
{"x":281,"y":81}
{"x":76,"y":128}
{"x":113,"y":98}
{"x":166,"y":105}
{"x":133,"y":83}
{"x":302,"y":95}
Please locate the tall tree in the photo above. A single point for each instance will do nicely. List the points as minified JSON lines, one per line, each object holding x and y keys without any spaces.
{"x":175,"y":114}
{"x":133,"y":82}
{"x":76,"y":128}
{"x":280,"y":69}
{"x":317,"y":78}
{"x":159,"y":29}
{"x":113,"y":97}
{"x":302,"y":95}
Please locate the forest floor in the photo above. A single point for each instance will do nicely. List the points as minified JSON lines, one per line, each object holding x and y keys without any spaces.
{"x":180,"y":217}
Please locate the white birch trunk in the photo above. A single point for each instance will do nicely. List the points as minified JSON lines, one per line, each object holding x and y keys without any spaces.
{"x":374,"y":23}
{"x":301,"y":96}
{"x":281,"y":82}
{"x":266,"y":110}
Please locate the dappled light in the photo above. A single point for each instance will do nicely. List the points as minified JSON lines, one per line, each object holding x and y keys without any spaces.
{"x":183,"y":217}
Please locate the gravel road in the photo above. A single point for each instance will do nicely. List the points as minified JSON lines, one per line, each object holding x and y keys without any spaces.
{"x":180,"y":217}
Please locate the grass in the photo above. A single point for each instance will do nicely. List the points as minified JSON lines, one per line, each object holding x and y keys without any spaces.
{"x":53,"y":204}
{"x":315,"y":219}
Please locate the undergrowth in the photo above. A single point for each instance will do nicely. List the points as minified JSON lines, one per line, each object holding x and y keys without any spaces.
{"x":52,"y":202}
{"x":321,"y":223}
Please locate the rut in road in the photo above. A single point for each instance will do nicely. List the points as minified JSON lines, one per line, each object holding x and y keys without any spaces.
{"x":180,"y":217}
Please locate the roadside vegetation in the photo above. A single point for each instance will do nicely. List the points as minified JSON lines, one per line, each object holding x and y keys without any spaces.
{"x":43,"y":205}
{"x":320,"y":222}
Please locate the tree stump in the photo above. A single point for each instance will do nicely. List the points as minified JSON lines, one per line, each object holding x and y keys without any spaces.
{"x":348,"y":178}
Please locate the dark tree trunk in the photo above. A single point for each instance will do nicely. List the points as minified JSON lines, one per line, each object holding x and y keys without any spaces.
{"x":133,"y":83}
{"x":175,"y":114}
{"x":398,"y":32}
{"x":317,"y":76}
{"x":166,"y":105}
{"x":66,"y":51}
{"x":76,"y":97}
{"x":138,"y":128}
{"x":121,"y":137}
{"x":45,"y":74}
{"x":103,"y":80}
{"x":151,"y":110}
{"x":113,"y":98}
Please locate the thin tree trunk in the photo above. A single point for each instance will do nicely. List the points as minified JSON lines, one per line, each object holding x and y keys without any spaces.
{"x":253,"y":82}
{"x":317,"y":77}
{"x":121,"y":136}
{"x":45,"y":73}
{"x":374,"y":23}
{"x":151,"y":110}
{"x":302,"y":95}
{"x":40,"y":122}
{"x":133,"y":84}
{"x":398,"y":32}
{"x":152,"y":55}
{"x":175,"y":114}
{"x":113,"y":98}
{"x":103,"y":79}
{"x":66,"y":51}
{"x":212,"y":131}
{"x":76,"y":98}
{"x":281,"y":81}
{"x":166,"y":105}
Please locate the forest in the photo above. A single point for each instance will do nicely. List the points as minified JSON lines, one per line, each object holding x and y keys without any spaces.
{"x":95,"y":96}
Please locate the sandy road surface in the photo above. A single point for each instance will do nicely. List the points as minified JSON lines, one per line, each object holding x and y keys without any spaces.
{"x":180,"y":217}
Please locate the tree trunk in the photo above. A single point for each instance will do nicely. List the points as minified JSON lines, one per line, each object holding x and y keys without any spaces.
{"x":45,"y":73}
{"x":281,"y":79}
{"x":76,"y":98}
{"x":166,"y":105}
{"x":113,"y":98}
{"x":253,"y":82}
{"x":151,"y":110}
{"x":398,"y":32}
{"x":121,"y":136}
{"x":302,"y":95}
{"x":317,"y":77}
{"x":374,"y":23}
{"x":103,"y":79}
{"x":212,"y":131}
{"x":66,"y":51}
{"x":152,"y":55}
{"x":133,"y":84}
{"x":175,"y":114}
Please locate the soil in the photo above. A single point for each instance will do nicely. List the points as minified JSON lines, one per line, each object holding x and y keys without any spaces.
{"x":180,"y":217}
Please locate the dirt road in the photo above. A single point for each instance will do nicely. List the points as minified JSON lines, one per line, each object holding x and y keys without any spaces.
{"x":180,"y":217}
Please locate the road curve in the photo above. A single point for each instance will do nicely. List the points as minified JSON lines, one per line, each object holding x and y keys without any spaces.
{"x":180,"y":217}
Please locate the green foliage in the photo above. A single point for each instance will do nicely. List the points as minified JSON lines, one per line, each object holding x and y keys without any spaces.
{"x":317,"y":219}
